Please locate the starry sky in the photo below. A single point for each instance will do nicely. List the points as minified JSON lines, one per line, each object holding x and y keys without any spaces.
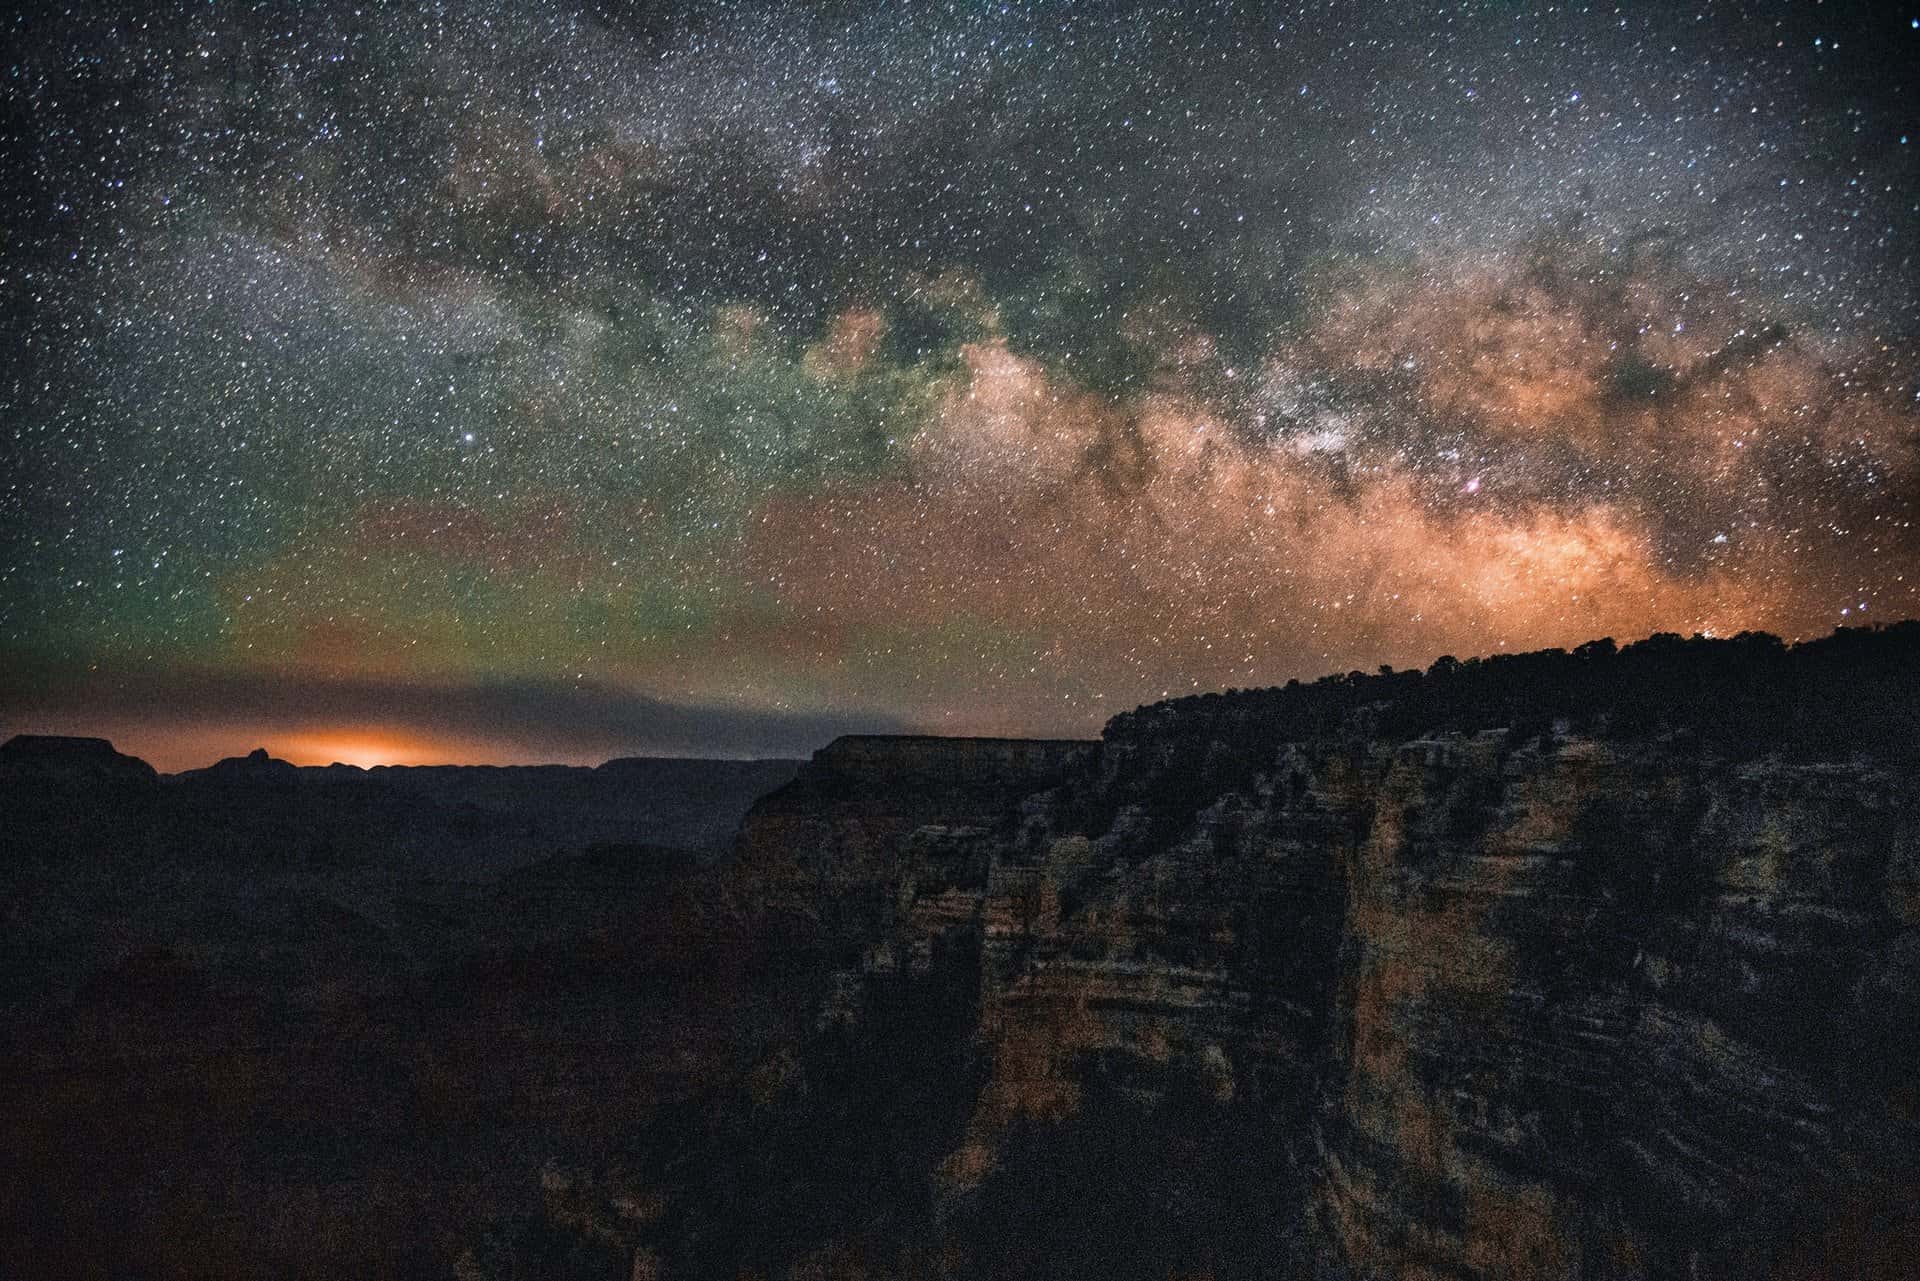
{"x":535,"y":380}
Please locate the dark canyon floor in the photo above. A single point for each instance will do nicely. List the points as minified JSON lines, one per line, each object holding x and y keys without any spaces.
{"x":1599,"y":964}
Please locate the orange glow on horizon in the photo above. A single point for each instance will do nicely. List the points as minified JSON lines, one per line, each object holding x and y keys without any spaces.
{"x":372,"y":745}
{"x":172,"y":747}
{"x":363,"y":747}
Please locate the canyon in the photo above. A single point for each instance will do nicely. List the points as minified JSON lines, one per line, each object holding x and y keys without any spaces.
{"x":1597,"y":964}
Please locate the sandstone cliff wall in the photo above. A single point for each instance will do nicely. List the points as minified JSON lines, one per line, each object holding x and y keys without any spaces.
{"x":1492,"y":1004}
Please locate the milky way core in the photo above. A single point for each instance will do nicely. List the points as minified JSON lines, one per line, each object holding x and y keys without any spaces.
{"x":552,"y":381}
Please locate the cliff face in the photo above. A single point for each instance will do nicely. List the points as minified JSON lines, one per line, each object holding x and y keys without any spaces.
{"x":1466,"y":1004}
{"x":1598,"y":1008}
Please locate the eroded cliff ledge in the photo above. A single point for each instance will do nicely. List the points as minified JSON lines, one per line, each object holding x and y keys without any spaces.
{"x":1603,"y":964}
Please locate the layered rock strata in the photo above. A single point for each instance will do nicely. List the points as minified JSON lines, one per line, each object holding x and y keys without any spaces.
{"x":1561,"y":1000}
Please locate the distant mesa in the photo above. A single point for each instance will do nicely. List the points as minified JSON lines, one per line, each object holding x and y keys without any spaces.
{"x":65,"y":758}
{"x":255,"y":767}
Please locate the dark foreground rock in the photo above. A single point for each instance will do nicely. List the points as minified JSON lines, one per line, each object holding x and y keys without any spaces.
{"x":55,"y":758}
{"x":1602,"y":964}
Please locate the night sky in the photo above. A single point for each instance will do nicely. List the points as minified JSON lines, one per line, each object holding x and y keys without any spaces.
{"x":546,"y":381}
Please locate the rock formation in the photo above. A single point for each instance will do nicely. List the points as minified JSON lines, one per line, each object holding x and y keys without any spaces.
{"x":1602,"y":991}
{"x":41,"y":758}
{"x":255,"y":769}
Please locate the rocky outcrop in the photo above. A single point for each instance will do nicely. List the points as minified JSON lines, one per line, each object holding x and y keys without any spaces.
{"x":1605,"y":992}
{"x":254,"y":769}
{"x":870,"y":818}
{"x":57,"y":758}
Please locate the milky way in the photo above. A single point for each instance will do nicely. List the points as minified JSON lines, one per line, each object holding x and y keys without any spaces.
{"x":527,"y":380}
